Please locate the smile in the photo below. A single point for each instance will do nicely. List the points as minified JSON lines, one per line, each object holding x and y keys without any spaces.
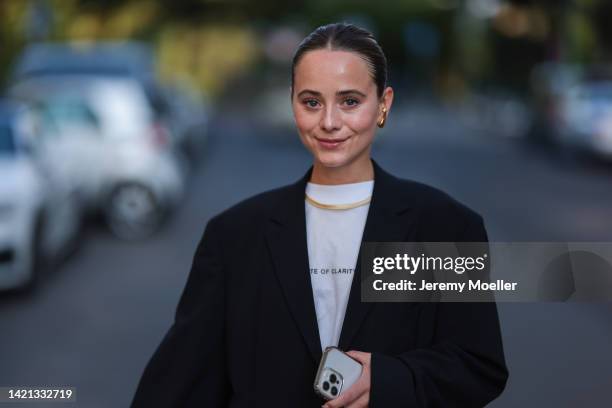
{"x":331,"y":143}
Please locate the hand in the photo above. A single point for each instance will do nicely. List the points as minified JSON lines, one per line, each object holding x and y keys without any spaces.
{"x":358,"y":394}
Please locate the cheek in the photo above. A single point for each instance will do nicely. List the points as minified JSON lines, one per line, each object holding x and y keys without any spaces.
{"x":363,"y":122}
{"x":303,"y":120}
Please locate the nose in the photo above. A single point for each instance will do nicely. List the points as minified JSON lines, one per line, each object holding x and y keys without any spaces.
{"x":331,"y":119}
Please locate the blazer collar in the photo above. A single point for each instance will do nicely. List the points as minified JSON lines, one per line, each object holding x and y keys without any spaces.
{"x":389,"y":219}
{"x":386,"y":197}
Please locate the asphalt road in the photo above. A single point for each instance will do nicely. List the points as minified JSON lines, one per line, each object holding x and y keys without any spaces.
{"x":94,"y":323}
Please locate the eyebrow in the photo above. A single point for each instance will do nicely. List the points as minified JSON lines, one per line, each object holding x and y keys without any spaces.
{"x":339,"y":93}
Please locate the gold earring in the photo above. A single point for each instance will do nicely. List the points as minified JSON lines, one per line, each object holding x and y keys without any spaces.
{"x":381,"y":122}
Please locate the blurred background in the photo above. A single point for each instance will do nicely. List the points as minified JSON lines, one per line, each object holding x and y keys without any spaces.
{"x":126,"y":125}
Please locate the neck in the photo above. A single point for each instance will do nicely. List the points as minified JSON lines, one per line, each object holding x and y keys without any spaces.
{"x":356,"y":172}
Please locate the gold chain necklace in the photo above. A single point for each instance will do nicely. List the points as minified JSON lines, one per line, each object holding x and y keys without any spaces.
{"x":338,"y":206}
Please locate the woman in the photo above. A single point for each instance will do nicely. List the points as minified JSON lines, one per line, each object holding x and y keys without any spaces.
{"x":274,"y":279}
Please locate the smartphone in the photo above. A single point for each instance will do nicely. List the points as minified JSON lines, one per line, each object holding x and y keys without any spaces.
{"x":337,"y":372}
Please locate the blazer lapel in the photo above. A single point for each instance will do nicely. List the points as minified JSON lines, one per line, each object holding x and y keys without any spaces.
{"x":286,"y":237}
{"x":389,"y":220}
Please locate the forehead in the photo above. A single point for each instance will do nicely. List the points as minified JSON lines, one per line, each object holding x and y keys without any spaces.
{"x":339,"y":69}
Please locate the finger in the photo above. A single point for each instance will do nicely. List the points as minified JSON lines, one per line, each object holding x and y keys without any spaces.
{"x":349,"y":396}
{"x":361,"y":402}
{"x":362,"y":357}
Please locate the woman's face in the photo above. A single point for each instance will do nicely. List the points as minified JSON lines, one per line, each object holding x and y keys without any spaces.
{"x":336,"y":107}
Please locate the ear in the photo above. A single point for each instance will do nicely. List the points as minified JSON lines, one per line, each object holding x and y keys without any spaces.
{"x":387,"y":99}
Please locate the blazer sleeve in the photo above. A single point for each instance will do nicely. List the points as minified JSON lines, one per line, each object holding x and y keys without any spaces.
{"x":463,"y":367}
{"x":188,"y":368}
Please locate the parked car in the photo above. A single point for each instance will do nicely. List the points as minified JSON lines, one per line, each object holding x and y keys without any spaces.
{"x":183,"y":112}
{"x":40,"y":209}
{"x":110,"y":141}
{"x":585,"y":120}
{"x":187,"y":114}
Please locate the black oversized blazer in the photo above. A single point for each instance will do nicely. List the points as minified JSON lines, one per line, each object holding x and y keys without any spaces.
{"x":245,"y":332}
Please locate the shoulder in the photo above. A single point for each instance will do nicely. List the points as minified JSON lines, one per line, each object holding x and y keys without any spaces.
{"x":251,"y":211}
{"x":435,"y":200}
{"x":436,"y":210}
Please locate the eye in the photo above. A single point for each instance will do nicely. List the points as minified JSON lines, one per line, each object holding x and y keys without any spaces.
{"x":310,"y":103}
{"x":351,"y":102}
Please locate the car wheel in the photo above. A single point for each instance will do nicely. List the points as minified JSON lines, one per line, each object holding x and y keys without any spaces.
{"x":132,"y":211}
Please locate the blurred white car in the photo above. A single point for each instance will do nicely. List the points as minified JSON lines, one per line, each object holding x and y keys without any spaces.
{"x":40,"y":210}
{"x":585,"y":120}
{"x":187,"y":115}
{"x":184,"y":111}
{"x":105,"y":131}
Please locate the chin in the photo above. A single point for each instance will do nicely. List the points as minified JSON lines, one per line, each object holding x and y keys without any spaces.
{"x":333,"y":160}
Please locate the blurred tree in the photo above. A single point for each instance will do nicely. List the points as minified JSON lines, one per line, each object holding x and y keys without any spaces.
{"x":12,"y":34}
{"x":601,"y":15}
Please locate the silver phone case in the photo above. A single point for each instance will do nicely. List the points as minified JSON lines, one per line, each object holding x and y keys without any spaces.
{"x":337,"y":362}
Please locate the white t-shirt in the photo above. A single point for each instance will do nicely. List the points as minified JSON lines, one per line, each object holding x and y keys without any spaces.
{"x":334,"y":238}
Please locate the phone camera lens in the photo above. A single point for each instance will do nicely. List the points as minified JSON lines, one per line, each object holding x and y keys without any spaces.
{"x":334,"y":391}
{"x":332,"y":378}
{"x":326,"y":386}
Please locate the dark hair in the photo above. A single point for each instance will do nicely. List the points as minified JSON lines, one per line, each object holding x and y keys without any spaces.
{"x":346,"y":37}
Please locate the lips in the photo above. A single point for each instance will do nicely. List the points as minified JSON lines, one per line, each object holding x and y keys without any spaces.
{"x":330,"y":143}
